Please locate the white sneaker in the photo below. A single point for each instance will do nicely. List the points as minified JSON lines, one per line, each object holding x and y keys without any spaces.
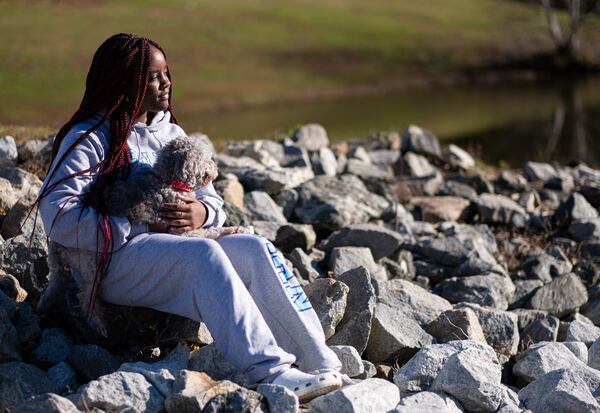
{"x":346,"y":380}
{"x":308,"y":386}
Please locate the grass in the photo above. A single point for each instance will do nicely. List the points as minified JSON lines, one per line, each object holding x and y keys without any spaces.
{"x":246,"y":52}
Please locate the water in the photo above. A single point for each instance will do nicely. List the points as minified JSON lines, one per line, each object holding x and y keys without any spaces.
{"x":502,"y":124}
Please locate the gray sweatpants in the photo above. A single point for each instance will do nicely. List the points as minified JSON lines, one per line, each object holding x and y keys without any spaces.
{"x":238,"y":286}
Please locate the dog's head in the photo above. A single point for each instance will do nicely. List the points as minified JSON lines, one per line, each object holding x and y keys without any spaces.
{"x":187,"y":160}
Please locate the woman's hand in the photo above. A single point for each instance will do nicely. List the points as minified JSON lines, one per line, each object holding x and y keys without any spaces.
{"x":184,"y":217}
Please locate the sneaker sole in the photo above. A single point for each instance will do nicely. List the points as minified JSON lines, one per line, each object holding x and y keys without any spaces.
{"x":305,"y":398}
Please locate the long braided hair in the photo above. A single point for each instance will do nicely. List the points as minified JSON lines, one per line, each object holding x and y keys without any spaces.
{"x":115,"y":87}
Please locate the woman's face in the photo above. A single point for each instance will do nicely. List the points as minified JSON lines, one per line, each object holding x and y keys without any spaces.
{"x":159,"y":85}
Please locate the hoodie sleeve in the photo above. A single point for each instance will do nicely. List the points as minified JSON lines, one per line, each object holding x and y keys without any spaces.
{"x":214,"y":205}
{"x":66,"y":219}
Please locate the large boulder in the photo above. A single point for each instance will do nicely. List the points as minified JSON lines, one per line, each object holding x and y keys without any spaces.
{"x":500,"y":328}
{"x":422,"y":141}
{"x":473,"y":379}
{"x":499,"y":209}
{"x":380,"y":240}
{"x":459,"y":324}
{"x":561,"y":296}
{"x":355,"y":327}
{"x":413,"y":300}
{"x":334,"y":202}
{"x":421,"y":370}
{"x":394,"y":336}
{"x":19,"y":381}
{"x":428,"y":402}
{"x":328,"y":298}
{"x":559,"y":391}
{"x":311,"y":136}
{"x":261,"y":207}
{"x":46,"y":403}
{"x":490,"y":290}
{"x":371,"y":395}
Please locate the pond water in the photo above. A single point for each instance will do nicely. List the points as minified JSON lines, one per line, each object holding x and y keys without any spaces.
{"x":502,"y":124}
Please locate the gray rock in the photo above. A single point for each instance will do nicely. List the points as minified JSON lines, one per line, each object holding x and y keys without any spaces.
{"x":414,"y":165}
{"x":524,"y":290}
{"x":537,"y":171}
{"x":292,"y":236}
{"x":369,"y":370}
{"x":19,"y":381}
{"x":8,"y":196}
{"x":457,"y":189}
{"x":279,"y":398}
{"x":8,"y":305}
{"x":428,"y":402}
{"x":367,"y":172}
{"x":261,"y":207}
{"x":237,"y":166}
{"x":231,"y":190}
{"x":26,"y":263}
{"x":91,"y":361}
{"x":458,"y":157}
{"x":460,"y":324}
{"x":352,"y":364}
{"x":287,"y":200}
{"x":583,"y":332}
{"x":241,"y":400}
{"x":594,"y":355}
{"x":27,"y":324}
{"x":21,"y":180}
{"x":120,"y":392}
{"x":355,"y":327}
{"x":196,"y":391}
{"x":11,"y":287}
{"x":498,"y":209}
{"x":29,"y":149}
{"x":46,"y":403}
{"x":591,"y":309}
{"x":414,"y":301}
{"x":8,"y":151}
{"x":422,"y":141}
{"x":545,"y":329}
{"x":63,"y":377}
{"x":10,"y":349}
{"x":579,"y":349}
{"x":401,"y":266}
{"x":527,"y":316}
{"x":542,"y":358}
{"x":368,"y":396}
{"x":161,"y":374}
{"x":560,"y":391}
{"x":561,"y":296}
{"x":211,"y":361}
{"x":473,"y":379}
{"x":450,"y":251}
{"x":328,"y":298}
{"x":343,"y":259}
{"x":420,"y":371}
{"x":512,"y":181}
{"x":545,"y":266}
{"x":394,"y":336}
{"x":335,"y":202}
{"x":53,"y":348}
{"x":490,"y":290}
{"x":274,"y":180}
{"x":380,"y":240}
{"x":500,"y":328}
{"x":267,"y":153}
{"x":441,"y":208}
{"x":307,"y":266}
{"x":585,"y":230}
{"x":324,"y":162}
{"x":295,"y":156}
{"x":311,"y":136}
{"x":574,"y":208}
{"x":19,"y":221}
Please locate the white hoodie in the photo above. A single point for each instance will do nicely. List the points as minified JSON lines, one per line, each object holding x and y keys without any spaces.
{"x":74,"y":225}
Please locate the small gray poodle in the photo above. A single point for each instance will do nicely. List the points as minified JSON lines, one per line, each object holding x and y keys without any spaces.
{"x":182,"y":165}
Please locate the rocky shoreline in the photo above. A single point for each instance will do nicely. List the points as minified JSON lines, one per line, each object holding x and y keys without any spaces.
{"x":443,"y":286}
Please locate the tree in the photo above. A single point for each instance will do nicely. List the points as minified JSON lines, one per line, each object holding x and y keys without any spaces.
{"x":567,"y":41}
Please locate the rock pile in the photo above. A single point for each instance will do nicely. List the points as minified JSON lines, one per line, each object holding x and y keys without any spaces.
{"x":442,"y":287}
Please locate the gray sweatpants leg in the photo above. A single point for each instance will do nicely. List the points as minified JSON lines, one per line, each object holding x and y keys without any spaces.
{"x":194,"y":278}
{"x":281,"y":300}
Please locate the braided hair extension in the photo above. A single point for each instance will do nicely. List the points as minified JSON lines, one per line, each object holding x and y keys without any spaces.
{"x":116,"y":85}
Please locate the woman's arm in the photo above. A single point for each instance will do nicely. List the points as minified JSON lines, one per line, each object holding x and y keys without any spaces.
{"x":215,"y":216}
{"x":65,"y":217}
